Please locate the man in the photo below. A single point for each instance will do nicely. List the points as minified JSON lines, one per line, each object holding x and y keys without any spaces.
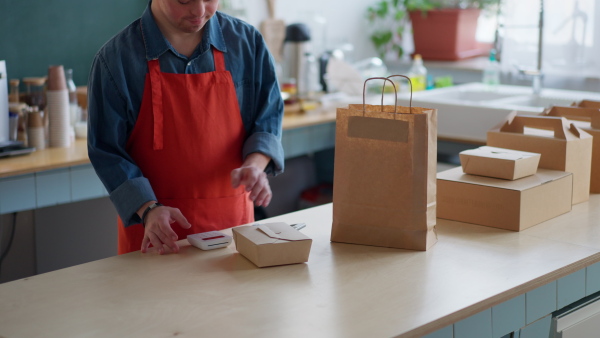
{"x":184,"y":123}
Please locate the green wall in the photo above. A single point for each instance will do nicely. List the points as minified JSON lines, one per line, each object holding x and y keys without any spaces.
{"x":37,"y":33}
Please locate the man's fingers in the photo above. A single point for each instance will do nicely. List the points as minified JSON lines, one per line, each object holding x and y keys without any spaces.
{"x":268,"y":200}
{"x":166,"y":238}
{"x":159,"y":231}
{"x":145,"y":243}
{"x":236,"y":177}
{"x":265,"y":195}
{"x":155,"y":242}
{"x":167,"y":231}
{"x":262,"y":185}
{"x":249,"y":181}
{"x":246,"y":176}
{"x":180,"y":219}
{"x":261,"y":199}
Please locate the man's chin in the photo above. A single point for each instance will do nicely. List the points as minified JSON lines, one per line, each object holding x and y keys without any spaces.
{"x":191,"y":28}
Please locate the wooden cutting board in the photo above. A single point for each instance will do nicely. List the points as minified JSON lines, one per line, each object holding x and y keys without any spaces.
{"x":273,"y":31}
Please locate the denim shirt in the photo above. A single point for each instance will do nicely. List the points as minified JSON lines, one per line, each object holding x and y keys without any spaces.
{"x":116,"y":87}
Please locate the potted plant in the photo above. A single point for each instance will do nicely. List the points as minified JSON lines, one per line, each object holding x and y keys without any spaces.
{"x":442,"y":29}
{"x":388,"y":19}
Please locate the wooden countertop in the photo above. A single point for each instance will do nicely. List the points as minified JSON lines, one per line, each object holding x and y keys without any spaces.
{"x":344,"y":290}
{"x":47,"y":159}
{"x":319,"y":116}
{"x":54,"y":158}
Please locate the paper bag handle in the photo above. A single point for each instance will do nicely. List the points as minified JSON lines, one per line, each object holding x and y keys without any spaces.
{"x":384,"y":79}
{"x":519,"y":122}
{"x":411,"y":91}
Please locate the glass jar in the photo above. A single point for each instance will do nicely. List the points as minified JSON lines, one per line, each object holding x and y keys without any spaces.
{"x":35,"y":91}
{"x":14,"y":91}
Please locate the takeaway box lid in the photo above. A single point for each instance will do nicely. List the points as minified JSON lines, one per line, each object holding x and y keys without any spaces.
{"x":542,"y":176}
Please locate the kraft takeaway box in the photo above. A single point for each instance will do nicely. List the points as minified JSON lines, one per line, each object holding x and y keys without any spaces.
{"x":588,"y":104}
{"x":589,"y":114}
{"x":589,"y":121}
{"x":384,"y":178}
{"x":511,"y":205}
{"x":272,"y":244}
{"x":499,"y":162}
{"x":562,"y":145}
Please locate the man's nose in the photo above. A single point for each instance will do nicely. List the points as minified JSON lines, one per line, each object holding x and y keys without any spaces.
{"x":198,"y":8}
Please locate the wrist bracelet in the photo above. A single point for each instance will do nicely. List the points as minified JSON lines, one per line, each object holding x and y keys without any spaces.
{"x":150,"y":207}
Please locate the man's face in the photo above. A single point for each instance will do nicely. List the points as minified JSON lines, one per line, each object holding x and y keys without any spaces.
{"x":188,"y":16}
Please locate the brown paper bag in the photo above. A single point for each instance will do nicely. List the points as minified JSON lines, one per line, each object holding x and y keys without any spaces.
{"x":384,"y":191}
{"x":590,"y":123}
{"x":568,"y":148}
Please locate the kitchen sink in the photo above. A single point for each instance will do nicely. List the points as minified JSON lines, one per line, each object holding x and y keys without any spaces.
{"x":466,"y":112}
{"x":468,"y":95}
{"x":538,"y":101}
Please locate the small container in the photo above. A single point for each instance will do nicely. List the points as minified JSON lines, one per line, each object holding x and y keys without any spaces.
{"x":35,"y":94}
{"x":14,"y":91}
{"x":491,"y":73}
{"x":418,"y":74}
{"x":13,"y":126}
{"x":36,"y":132}
{"x":292,"y":91}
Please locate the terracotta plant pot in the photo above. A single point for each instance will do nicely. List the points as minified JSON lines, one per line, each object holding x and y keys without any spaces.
{"x":447,"y":34}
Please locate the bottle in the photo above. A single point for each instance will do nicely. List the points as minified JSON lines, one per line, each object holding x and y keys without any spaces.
{"x":313,"y":86}
{"x":418,"y":74}
{"x":491,"y":73}
{"x":74,"y":109}
{"x":71,"y":87}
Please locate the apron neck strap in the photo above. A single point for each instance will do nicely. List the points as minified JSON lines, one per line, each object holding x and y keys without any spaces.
{"x":219,"y":60}
{"x":156,"y":88}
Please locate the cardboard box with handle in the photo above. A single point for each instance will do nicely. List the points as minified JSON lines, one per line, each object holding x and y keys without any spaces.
{"x":588,"y":119}
{"x":562,"y":146}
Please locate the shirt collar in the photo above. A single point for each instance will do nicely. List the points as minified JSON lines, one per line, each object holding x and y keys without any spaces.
{"x":156,"y":44}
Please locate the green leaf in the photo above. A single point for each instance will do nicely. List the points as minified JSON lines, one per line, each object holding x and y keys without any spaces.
{"x":383,"y":9}
{"x":400,"y":31}
{"x":400,"y":15}
{"x":399,"y":50}
{"x":380,"y":38}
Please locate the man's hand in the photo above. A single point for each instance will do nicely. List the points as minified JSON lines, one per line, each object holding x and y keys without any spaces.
{"x":251,"y":175}
{"x":158,"y":230}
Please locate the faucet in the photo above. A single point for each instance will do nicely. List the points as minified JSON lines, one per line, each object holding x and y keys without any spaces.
{"x":536,"y":74}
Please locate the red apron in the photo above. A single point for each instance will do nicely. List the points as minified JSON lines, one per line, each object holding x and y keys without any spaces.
{"x":187,"y":139}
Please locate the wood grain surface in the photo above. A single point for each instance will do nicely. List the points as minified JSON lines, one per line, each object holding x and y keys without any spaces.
{"x":343,"y":291}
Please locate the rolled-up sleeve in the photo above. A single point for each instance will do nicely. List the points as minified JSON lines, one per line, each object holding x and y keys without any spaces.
{"x":108,"y":130}
{"x":265,"y":135}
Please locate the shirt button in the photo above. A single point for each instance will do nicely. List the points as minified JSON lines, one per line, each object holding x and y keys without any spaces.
{"x":190,"y":63}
